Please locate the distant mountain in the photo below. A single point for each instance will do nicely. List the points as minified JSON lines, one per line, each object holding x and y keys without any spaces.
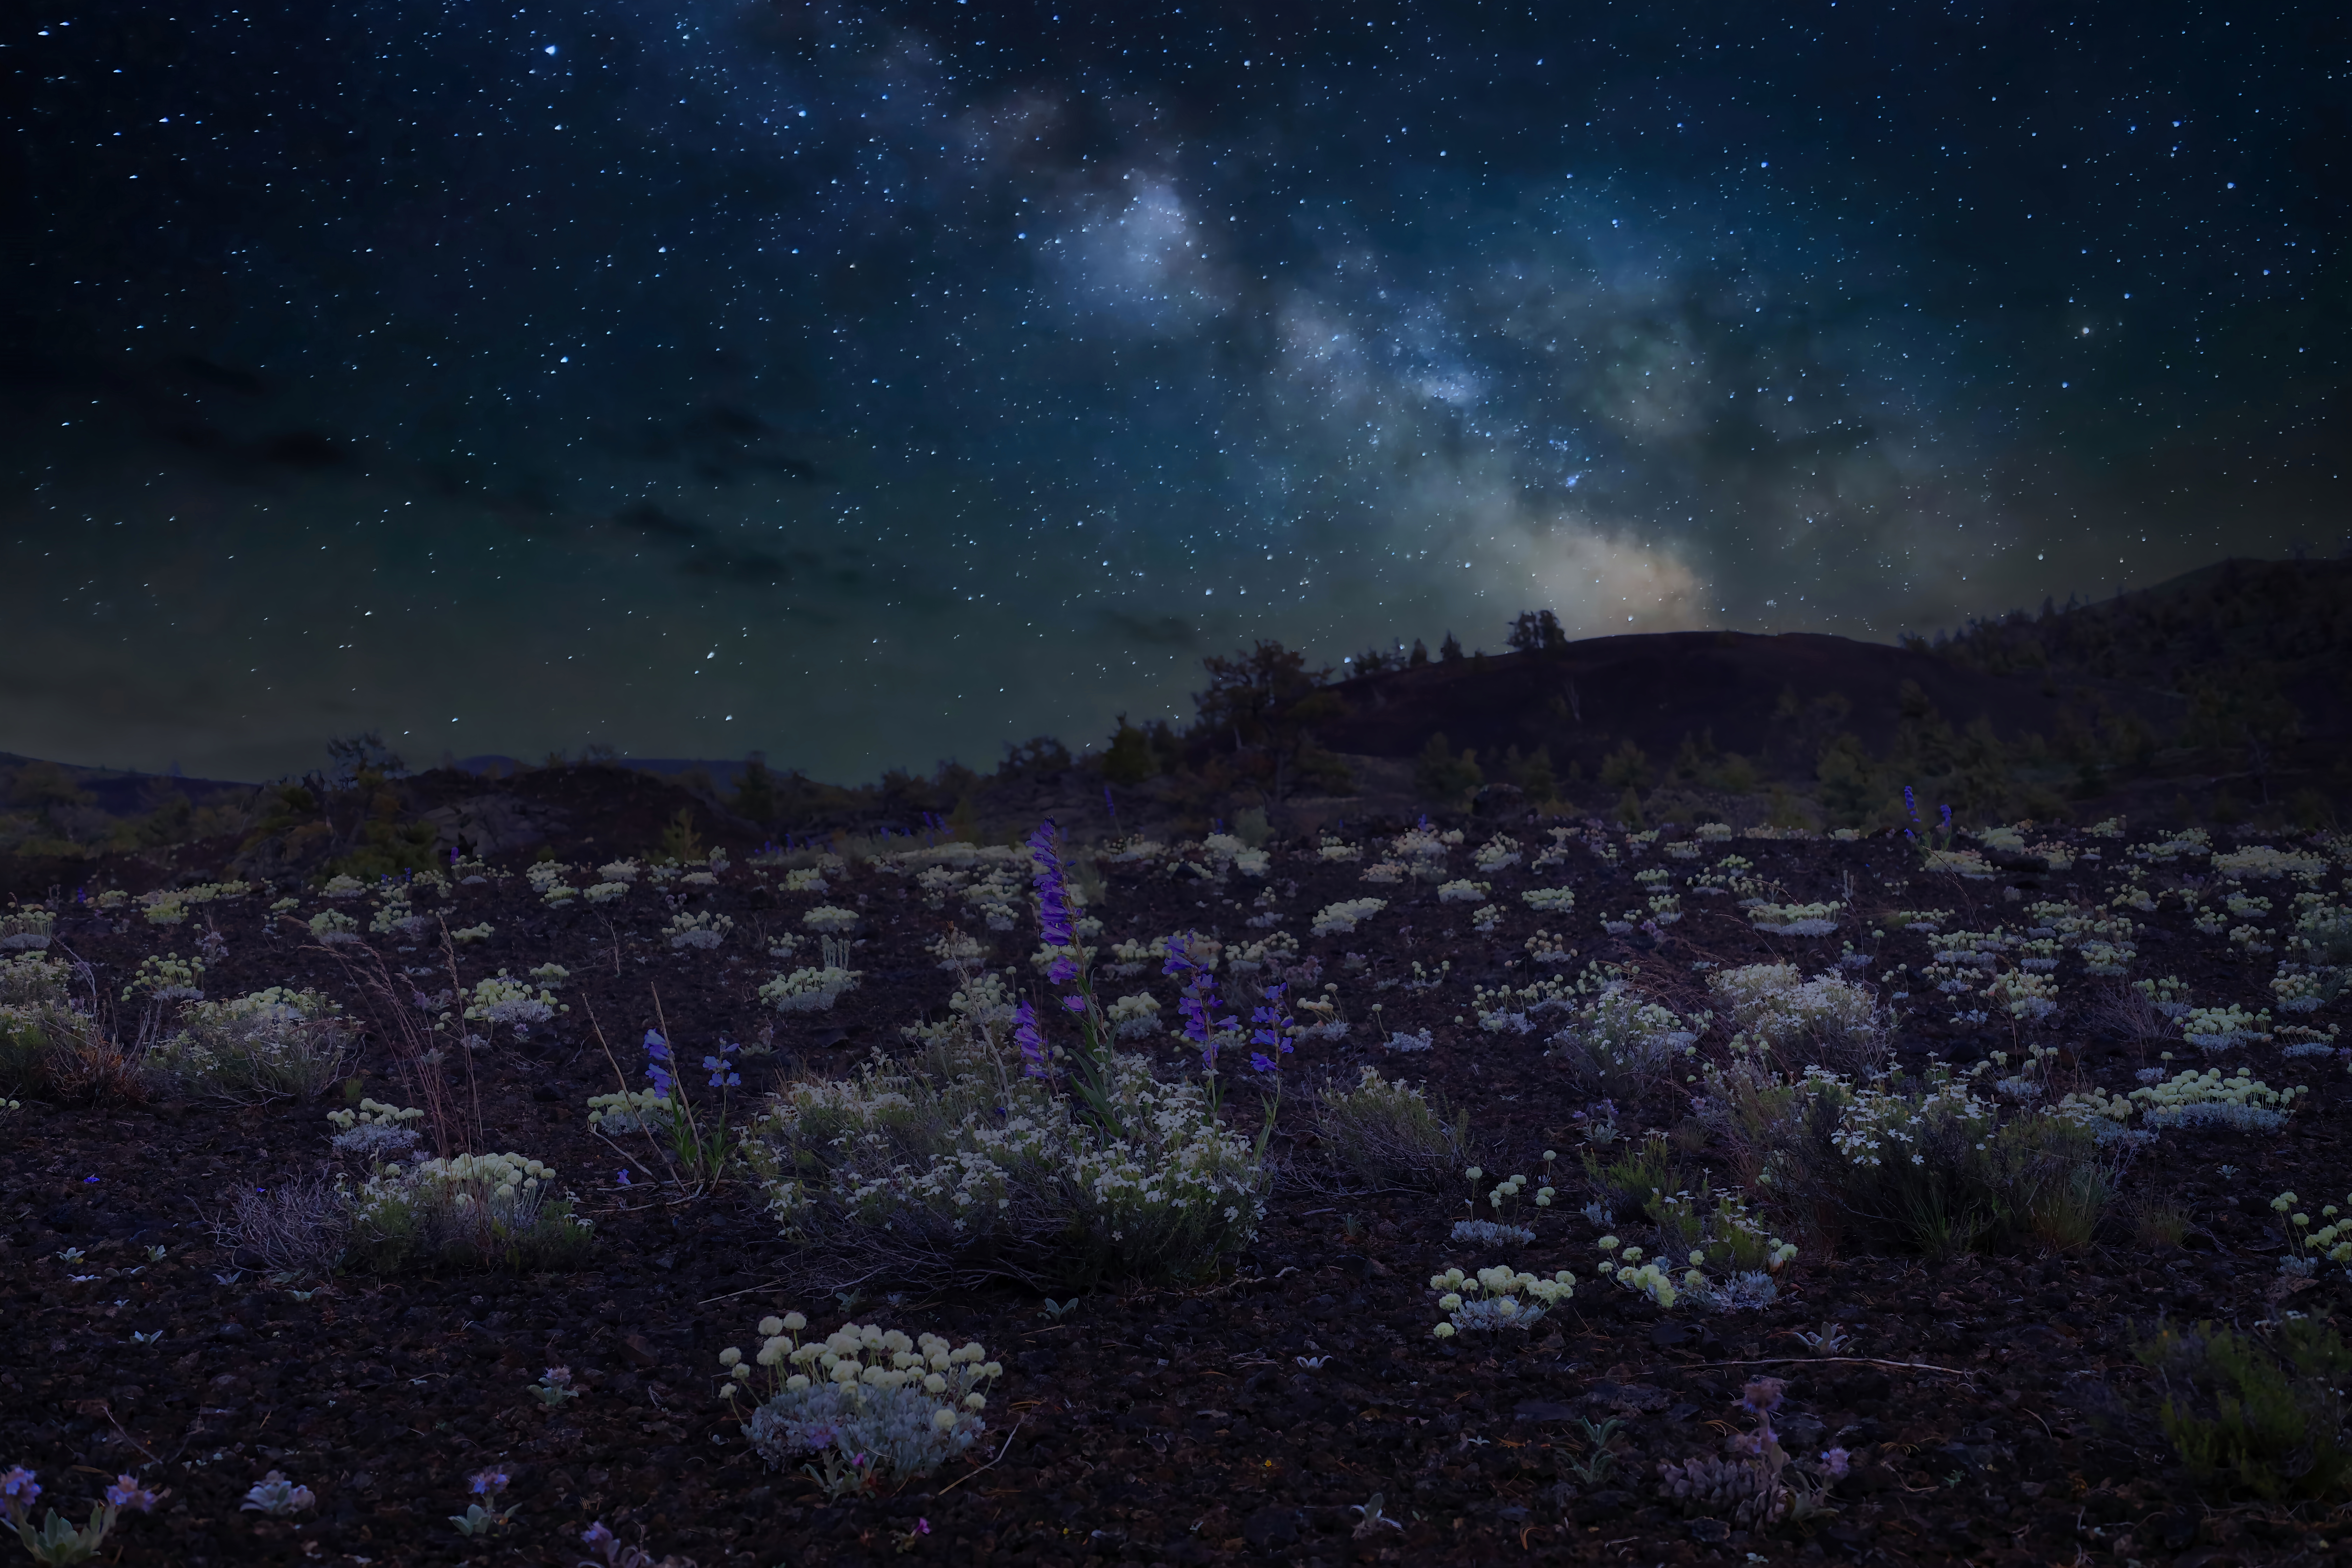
{"x":2218,"y":695}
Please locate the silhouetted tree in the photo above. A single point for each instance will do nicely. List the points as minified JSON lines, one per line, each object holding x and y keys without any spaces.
{"x":1535,"y":631}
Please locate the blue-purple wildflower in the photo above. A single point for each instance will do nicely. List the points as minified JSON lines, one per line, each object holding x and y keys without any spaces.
{"x":1031,"y":1043}
{"x":1199,"y":1002}
{"x":19,"y":1491}
{"x":1272,"y":1034}
{"x":126,"y":1492}
{"x":489,"y":1482}
{"x":722,"y":1071}
{"x":1053,"y":904}
{"x":658,"y":1068}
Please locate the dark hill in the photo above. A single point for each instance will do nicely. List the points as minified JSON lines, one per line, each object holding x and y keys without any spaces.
{"x":1775,"y":700}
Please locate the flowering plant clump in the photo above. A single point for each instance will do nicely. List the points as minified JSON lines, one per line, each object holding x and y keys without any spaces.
{"x":1619,"y":1046}
{"x":1134,"y":1017}
{"x":1795,"y":920}
{"x":702,"y":930}
{"x":1340,"y":918}
{"x":1756,"y":1484}
{"x":1919,"y":1159}
{"x":695,"y":1140}
{"x":375,"y":1131}
{"x":2239,"y":1103}
{"x":481,"y":1517}
{"x":2261,"y":861}
{"x":971,"y":1162}
{"x":1385,"y":1132}
{"x":481,"y":1211}
{"x":810,"y":989}
{"x":503,"y":1000}
{"x":1491,"y":1300}
{"x":2217,"y":1029}
{"x":26,"y":928}
{"x":873,"y":1406}
{"x":40,"y":1019}
{"x":59,"y":1543}
{"x":1463,"y":891}
{"x":1549,"y":900}
{"x":269,"y":1044}
{"x":828,"y":920}
{"x":1776,"y":1011}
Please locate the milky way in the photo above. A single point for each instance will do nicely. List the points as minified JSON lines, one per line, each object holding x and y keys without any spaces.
{"x":871,"y":386}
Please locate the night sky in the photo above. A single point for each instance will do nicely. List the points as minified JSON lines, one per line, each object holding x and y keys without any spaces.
{"x":877,"y":385}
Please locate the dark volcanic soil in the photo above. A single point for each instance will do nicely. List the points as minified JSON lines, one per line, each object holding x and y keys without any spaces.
{"x":1992,"y":1403}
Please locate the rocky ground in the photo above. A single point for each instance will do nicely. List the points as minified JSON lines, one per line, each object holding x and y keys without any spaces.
{"x":1989,"y":1405}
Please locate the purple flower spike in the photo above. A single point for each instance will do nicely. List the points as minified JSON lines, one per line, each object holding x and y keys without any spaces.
{"x":1064,"y":969}
{"x":1031,"y":1043}
{"x":1836,"y":1461}
{"x":1053,"y":906}
{"x":1075,"y":1003}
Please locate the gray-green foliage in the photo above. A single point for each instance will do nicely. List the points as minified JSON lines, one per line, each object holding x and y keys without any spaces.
{"x":1917,"y":1161}
{"x":471,"y":1212}
{"x":960,"y":1165}
{"x":2266,"y":1417}
{"x":1384,"y":1132}
{"x":272,"y":1044}
{"x":863,"y":1433}
{"x":1619,"y":1046}
{"x":41,"y":1020}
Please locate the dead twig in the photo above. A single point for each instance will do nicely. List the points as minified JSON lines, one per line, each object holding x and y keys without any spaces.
{"x":1853,"y":1360}
{"x":992,"y":1464}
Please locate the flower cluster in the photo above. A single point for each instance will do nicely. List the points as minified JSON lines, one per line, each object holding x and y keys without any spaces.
{"x":2192,"y":1098}
{"x":872,"y":1405}
{"x":1491,"y":1300}
{"x":375,"y":1131}
{"x":809,"y":989}
{"x":961,"y":1170}
{"x":2217,"y":1029}
{"x":269,"y":1044}
{"x":502,"y":1000}
{"x":1795,"y":920}
{"x":1342,"y":918}
{"x":478,"y":1210}
{"x":702,"y":930}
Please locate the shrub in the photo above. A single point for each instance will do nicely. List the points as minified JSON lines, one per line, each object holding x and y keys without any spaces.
{"x":42,"y":1027}
{"x":1383,"y":1133}
{"x":960,"y":1167}
{"x":297,"y":1227}
{"x":2268,"y":1419}
{"x":1620,"y":1048}
{"x":1917,"y":1161}
{"x":875,"y":1406}
{"x":271,"y":1045}
{"x":1825,"y":1021}
{"x":472,"y":1211}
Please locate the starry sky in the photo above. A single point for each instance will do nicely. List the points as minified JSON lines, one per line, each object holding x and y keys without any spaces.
{"x":875,"y":386}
